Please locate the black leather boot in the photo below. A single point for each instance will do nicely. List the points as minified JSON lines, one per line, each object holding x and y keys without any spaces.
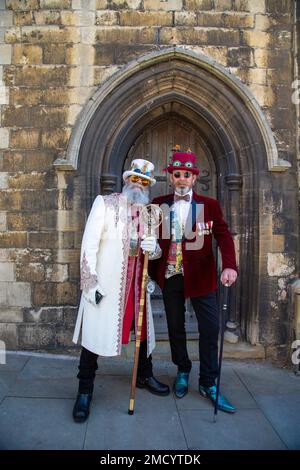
{"x":82,"y":407}
{"x":153,"y":385}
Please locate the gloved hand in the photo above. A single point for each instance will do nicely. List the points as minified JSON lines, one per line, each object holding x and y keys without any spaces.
{"x":148,"y":244}
{"x":90,"y":296}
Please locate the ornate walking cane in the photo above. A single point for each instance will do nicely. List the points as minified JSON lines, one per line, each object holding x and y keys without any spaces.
{"x":152,"y":217}
{"x":223,"y":317}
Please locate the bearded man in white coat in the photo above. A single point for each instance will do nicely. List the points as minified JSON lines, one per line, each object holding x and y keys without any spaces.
{"x":111,"y":262}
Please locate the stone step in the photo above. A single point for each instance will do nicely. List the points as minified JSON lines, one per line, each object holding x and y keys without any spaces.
{"x":241,"y":350}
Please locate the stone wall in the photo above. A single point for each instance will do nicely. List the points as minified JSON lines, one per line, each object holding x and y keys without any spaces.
{"x":54,"y":54}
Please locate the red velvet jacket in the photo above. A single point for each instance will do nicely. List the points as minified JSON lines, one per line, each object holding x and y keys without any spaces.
{"x":200,"y":275}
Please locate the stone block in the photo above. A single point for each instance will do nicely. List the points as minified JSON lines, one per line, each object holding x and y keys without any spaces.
{"x":66,"y":256}
{"x":80,"y":54}
{"x":74,"y":111}
{"x":167,"y":5}
{"x":44,"y":293}
{"x":49,"y":34}
{"x":21,"y":222}
{"x":38,"y":116}
{"x":263,"y":94}
{"x":54,"y":54}
{"x":84,"y":4}
{"x":18,"y":294}
{"x":77,"y":18}
{"x":119,"y":5}
{"x":259,"y":39}
{"x":24,"y":138}
{"x":3,"y":221}
{"x":186,"y":18}
{"x":43,"y":240}
{"x":199,"y":36}
{"x":56,"y":4}
{"x":36,"y":336}
{"x":111,"y":18}
{"x":104,"y":54}
{"x":12,"y":35}
{"x":39,"y":160}
{"x":51,"y":315}
{"x":4,"y":138}
{"x":103,"y":73}
{"x":198,"y":5}
{"x":26,"y":54}
{"x":13,"y":239}
{"x":23,"y":18}
{"x":81,"y":76}
{"x":46,"y":76}
{"x":4,"y":95}
{"x":12,"y":161}
{"x":55,"y":138}
{"x":5,"y":54}
{"x":130,"y":35}
{"x":47,"y":17}
{"x":9,"y":334}
{"x":6,"y":18}
{"x":258,"y":76}
{"x":70,"y":221}
{"x":240,"y":57}
{"x":276,"y":58}
{"x":257,"y":6}
{"x":11,"y":315}
{"x":7,"y":272}
{"x":22,"y":4}
{"x":280,"y":264}
{"x":238,"y":20}
{"x":4,"y":177}
{"x":74,"y":272}
{"x":67,"y":293}
{"x":32,"y":272}
{"x":223,"y":5}
{"x":147,"y":18}
{"x":57,"y":273}
{"x":210,"y":20}
{"x":279,"y":6}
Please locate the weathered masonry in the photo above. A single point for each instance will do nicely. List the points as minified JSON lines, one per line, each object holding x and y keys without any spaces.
{"x":85,"y":86}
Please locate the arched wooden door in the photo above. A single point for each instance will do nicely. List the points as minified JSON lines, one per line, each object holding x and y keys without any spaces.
{"x":156,"y":144}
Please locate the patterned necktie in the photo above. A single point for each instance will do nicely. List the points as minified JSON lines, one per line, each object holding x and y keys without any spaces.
{"x":181,"y":198}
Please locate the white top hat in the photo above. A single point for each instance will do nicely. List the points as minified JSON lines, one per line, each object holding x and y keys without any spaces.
{"x":143,"y":168}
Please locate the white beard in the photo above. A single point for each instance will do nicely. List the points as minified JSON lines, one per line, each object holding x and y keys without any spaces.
{"x":135,"y":195}
{"x":182,"y":191}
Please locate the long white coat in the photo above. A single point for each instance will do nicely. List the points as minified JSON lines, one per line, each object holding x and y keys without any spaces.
{"x":103,"y":262}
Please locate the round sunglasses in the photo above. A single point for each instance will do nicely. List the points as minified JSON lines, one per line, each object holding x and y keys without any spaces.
{"x":186,"y":174}
{"x":136,"y":179}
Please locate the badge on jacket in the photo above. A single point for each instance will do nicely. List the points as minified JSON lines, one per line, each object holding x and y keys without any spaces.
{"x":205,"y":228}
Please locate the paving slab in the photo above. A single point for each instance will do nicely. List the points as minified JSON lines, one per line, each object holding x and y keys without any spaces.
{"x":154,"y":425}
{"x":41,"y":424}
{"x":245,"y":430}
{"x":283,"y":412}
{"x":14,"y":362}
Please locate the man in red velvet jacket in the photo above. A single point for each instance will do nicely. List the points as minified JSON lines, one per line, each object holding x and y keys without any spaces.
{"x":187,"y":269}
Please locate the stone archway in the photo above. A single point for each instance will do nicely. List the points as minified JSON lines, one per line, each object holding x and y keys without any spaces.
{"x":194,"y":87}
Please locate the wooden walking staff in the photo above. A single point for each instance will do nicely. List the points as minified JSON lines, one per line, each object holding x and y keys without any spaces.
{"x":152,"y":216}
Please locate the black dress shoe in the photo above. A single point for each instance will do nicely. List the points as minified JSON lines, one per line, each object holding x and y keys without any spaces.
{"x":153,"y":385}
{"x":82,"y":407}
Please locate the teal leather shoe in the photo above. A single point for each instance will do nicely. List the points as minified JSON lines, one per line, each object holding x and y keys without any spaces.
{"x":211,"y":393}
{"x":181,"y":383}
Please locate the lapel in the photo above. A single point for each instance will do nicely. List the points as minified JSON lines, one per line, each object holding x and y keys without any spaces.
{"x":195,"y":215}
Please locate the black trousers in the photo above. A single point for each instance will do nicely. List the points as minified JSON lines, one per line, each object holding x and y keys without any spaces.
{"x":88,"y":366}
{"x":208,"y":326}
